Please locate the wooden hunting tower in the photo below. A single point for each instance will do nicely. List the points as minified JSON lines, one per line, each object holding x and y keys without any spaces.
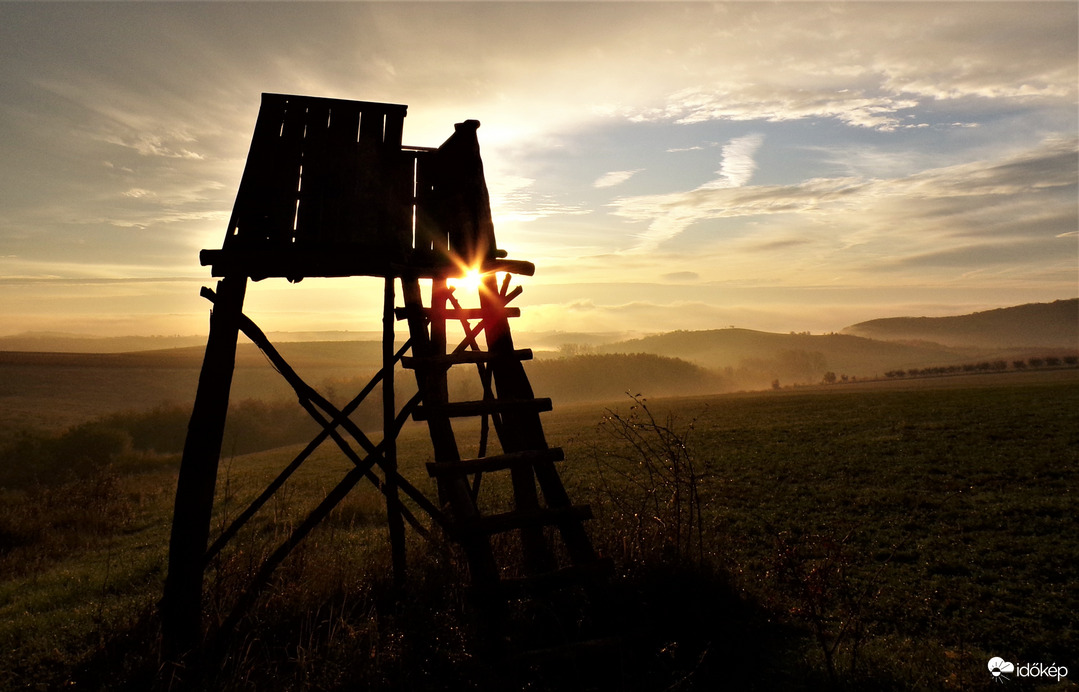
{"x":329,"y":191}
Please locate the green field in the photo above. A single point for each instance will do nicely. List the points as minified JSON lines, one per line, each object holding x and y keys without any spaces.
{"x":891,"y":535}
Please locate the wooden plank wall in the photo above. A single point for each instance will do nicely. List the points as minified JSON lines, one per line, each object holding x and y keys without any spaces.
{"x":325,"y":173}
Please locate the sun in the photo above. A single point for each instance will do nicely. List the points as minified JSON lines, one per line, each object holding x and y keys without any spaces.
{"x":471,"y":280}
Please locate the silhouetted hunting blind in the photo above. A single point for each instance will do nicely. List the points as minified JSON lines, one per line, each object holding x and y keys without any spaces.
{"x":329,"y":191}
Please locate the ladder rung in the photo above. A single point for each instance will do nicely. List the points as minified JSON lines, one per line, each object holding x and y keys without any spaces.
{"x":495,"y":462}
{"x":461,"y":409}
{"x":560,"y":578}
{"x":520,"y":519}
{"x":455,"y":313}
{"x":465,"y":357}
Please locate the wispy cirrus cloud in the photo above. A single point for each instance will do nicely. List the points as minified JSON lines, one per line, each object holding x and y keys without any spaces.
{"x":779,"y":103}
{"x":887,"y":64}
{"x":736,"y":168}
{"x":737,"y":165}
{"x":615,"y":178}
{"x":1025,"y":197}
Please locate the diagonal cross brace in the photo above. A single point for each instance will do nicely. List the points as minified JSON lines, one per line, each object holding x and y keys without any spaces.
{"x":307,"y":397}
{"x":304,"y":391}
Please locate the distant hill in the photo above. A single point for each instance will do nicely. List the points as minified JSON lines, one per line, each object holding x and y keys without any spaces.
{"x":753,"y":359}
{"x":609,"y":377}
{"x":1046,"y":325}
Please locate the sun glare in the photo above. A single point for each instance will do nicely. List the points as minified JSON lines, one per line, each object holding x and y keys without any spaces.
{"x":469,"y":282}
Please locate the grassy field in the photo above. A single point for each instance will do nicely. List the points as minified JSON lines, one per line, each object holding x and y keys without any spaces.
{"x":891,"y":535}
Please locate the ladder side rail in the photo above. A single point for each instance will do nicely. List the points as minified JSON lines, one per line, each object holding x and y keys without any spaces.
{"x":513,"y":436}
{"x":524,"y":430}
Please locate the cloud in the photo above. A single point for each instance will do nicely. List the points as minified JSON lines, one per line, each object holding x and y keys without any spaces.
{"x":1023,"y":196}
{"x":982,"y":255}
{"x":672,"y":213}
{"x":615,"y":178}
{"x":681,"y":276}
{"x":737,"y":165}
{"x":881,"y":65}
{"x":779,"y":103}
{"x":514,"y":200}
{"x":154,"y":145}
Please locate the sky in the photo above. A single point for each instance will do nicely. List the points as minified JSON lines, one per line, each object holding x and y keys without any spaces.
{"x":788,"y":166}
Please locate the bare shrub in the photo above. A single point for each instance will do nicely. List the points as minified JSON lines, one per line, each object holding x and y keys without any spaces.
{"x":650,"y":485}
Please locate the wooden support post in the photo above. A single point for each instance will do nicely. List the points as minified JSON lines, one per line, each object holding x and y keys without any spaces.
{"x":389,"y":437}
{"x":181,"y":608}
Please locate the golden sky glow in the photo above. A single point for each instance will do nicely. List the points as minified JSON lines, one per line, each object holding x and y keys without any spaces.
{"x":779,"y":166}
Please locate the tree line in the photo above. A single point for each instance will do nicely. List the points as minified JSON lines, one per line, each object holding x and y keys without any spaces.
{"x":985,"y":366}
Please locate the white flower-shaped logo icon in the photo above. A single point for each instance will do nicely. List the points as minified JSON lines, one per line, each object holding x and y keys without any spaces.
{"x":998,"y":667}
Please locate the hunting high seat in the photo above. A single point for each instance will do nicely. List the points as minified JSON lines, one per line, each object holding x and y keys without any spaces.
{"x":329,"y":191}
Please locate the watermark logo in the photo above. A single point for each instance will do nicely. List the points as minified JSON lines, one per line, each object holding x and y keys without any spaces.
{"x":1000,"y":669}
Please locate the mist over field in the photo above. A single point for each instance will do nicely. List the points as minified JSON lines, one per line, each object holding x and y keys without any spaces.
{"x":48,"y":383}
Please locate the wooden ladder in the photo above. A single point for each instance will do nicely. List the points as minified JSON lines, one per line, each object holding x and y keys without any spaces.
{"x":541,"y":511}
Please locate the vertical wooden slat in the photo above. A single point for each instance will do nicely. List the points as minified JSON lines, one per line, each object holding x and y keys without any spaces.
{"x":395,"y":125}
{"x":310,"y":222}
{"x":401,"y":204}
{"x":370,"y":183}
{"x":430,"y":238}
{"x":280,"y":192}
{"x":338,"y":174}
{"x":398,"y":190}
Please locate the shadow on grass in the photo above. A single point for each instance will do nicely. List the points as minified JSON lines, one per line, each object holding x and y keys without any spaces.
{"x":665,"y":628}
